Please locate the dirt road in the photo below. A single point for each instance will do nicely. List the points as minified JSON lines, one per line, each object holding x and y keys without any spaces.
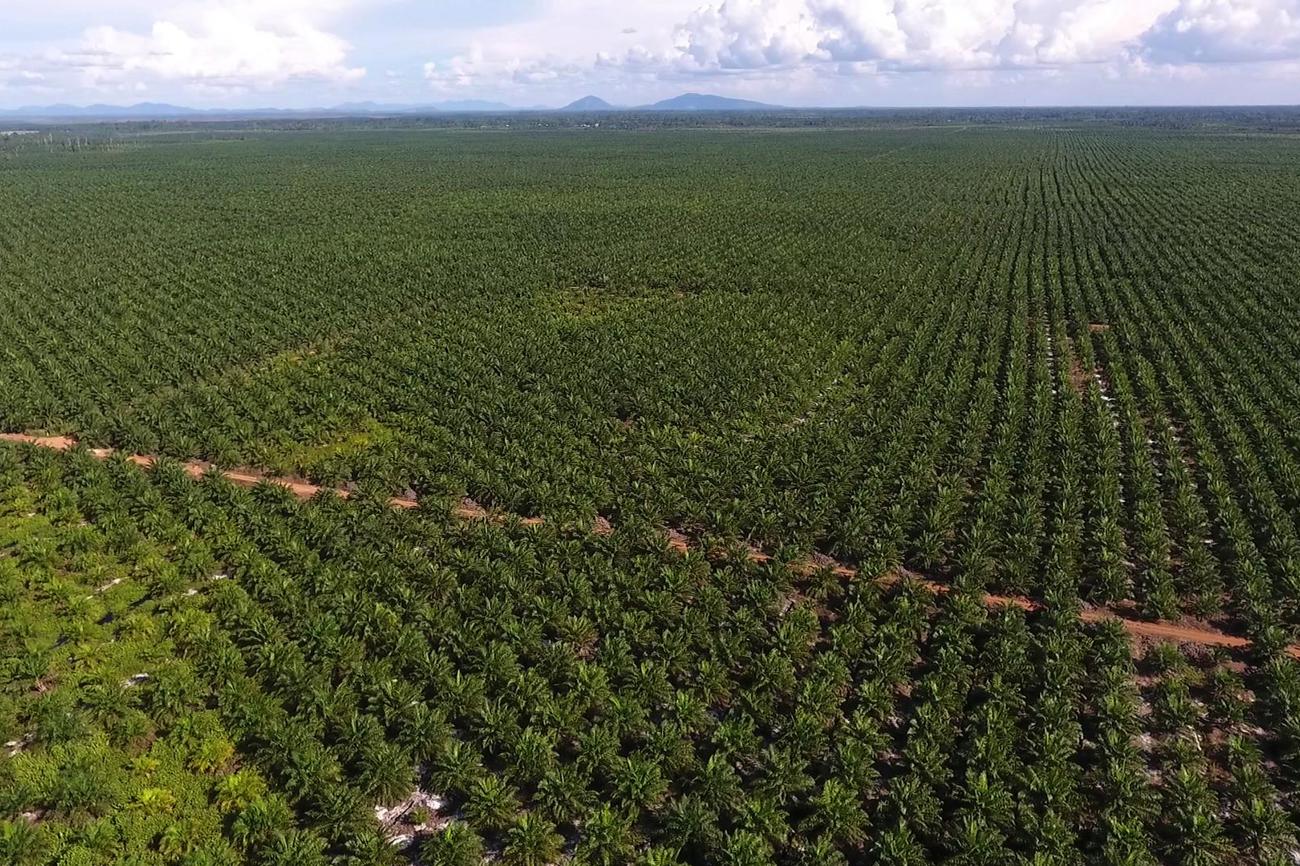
{"x":1202,"y":635}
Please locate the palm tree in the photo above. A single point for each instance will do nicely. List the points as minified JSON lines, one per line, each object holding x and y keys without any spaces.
{"x":533,"y":755}
{"x":457,"y":767}
{"x":689,"y":711}
{"x":898,"y":846}
{"x":423,"y":732}
{"x":761,"y":814}
{"x":1192,"y":814}
{"x":785,"y":774}
{"x":564,"y":793}
{"x":822,"y":852}
{"x":239,"y":789}
{"x":368,"y":846}
{"x":837,"y":813}
{"x":340,"y":812}
{"x":690,"y":824}
{"x":628,"y":716}
{"x":385,"y":773}
{"x":659,"y":856}
{"x":294,"y":848}
{"x":213,"y":754}
{"x":260,"y":820}
{"x":532,"y":841}
{"x":309,"y":767}
{"x":105,"y":700}
{"x":606,"y":839}
{"x":492,"y":803}
{"x":598,"y":749}
{"x":177,"y":838}
{"x":22,"y":844}
{"x":639,"y":783}
{"x":912,"y":802}
{"x":1126,"y":842}
{"x":497,"y":726}
{"x":154,"y":800}
{"x":1265,"y":829}
{"x":743,"y":848}
{"x":718,"y":782}
{"x":978,"y":843}
{"x":456,"y":845}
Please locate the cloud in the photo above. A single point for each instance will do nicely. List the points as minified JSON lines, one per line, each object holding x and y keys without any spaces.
{"x":743,"y":39}
{"x":902,"y":35}
{"x":533,"y":50}
{"x":558,"y":43}
{"x":236,"y":45}
{"x":226,"y":44}
{"x":1225,"y":31}
{"x":475,"y":68}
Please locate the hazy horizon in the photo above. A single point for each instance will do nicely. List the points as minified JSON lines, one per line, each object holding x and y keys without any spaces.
{"x":452,"y":106}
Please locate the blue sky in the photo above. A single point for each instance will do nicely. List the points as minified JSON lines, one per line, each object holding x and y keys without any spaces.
{"x":242,"y":53}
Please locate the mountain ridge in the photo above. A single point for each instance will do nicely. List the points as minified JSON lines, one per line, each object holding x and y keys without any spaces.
{"x":707,"y":102}
{"x":588,"y":103}
{"x":169,"y":111}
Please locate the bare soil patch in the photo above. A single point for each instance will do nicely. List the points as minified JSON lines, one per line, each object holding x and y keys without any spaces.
{"x":1079,"y":377}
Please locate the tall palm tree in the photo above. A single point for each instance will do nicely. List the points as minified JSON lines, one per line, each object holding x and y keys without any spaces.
{"x":691,"y":824}
{"x":294,"y":848}
{"x":743,"y":848}
{"x":492,"y":804}
{"x":605,"y":838}
{"x":898,"y":846}
{"x":564,"y":793}
{"x":822,"y":851}
{"x":368,"y":846}
{"x":261,"y":820}
{"x":341,"y":812}
{"x":837,"y":812}
{"x":22,"y":844}
{"x":532,"y":841}
{"x":456,"y":767}
{"x":385,"y":772}
{"x":718,"y":784}
{"x":239,"y":789}
{"x":456,"y":845}
{"x":639,"y":783}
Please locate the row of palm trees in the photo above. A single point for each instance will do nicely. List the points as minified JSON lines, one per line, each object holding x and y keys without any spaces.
{"x":678,"y":710}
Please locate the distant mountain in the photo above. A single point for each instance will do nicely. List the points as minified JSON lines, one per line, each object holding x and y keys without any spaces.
{"x":588,"y":103}
{"x":164,"y":111}
{"x":706,"y":102}
{"x":139,"y":110}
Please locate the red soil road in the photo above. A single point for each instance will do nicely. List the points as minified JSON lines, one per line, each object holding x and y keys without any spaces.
{"x":197,"y":469}
{"x":470,"y":510}
{"x":1167,"y":631}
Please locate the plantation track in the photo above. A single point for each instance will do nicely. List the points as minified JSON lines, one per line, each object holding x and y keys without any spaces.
{"x":1199,"y":635}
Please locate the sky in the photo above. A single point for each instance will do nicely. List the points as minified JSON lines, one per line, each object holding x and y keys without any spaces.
{"x":305,"y":53}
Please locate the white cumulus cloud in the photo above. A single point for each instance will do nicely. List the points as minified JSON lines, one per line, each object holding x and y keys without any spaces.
{"x":218,"y":44}
{"x":740,"y":37}
{"x":224,"y":48}
{"x":1226,"y":31}
{"x":914,"y":34}
{"x":475,"y":68}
